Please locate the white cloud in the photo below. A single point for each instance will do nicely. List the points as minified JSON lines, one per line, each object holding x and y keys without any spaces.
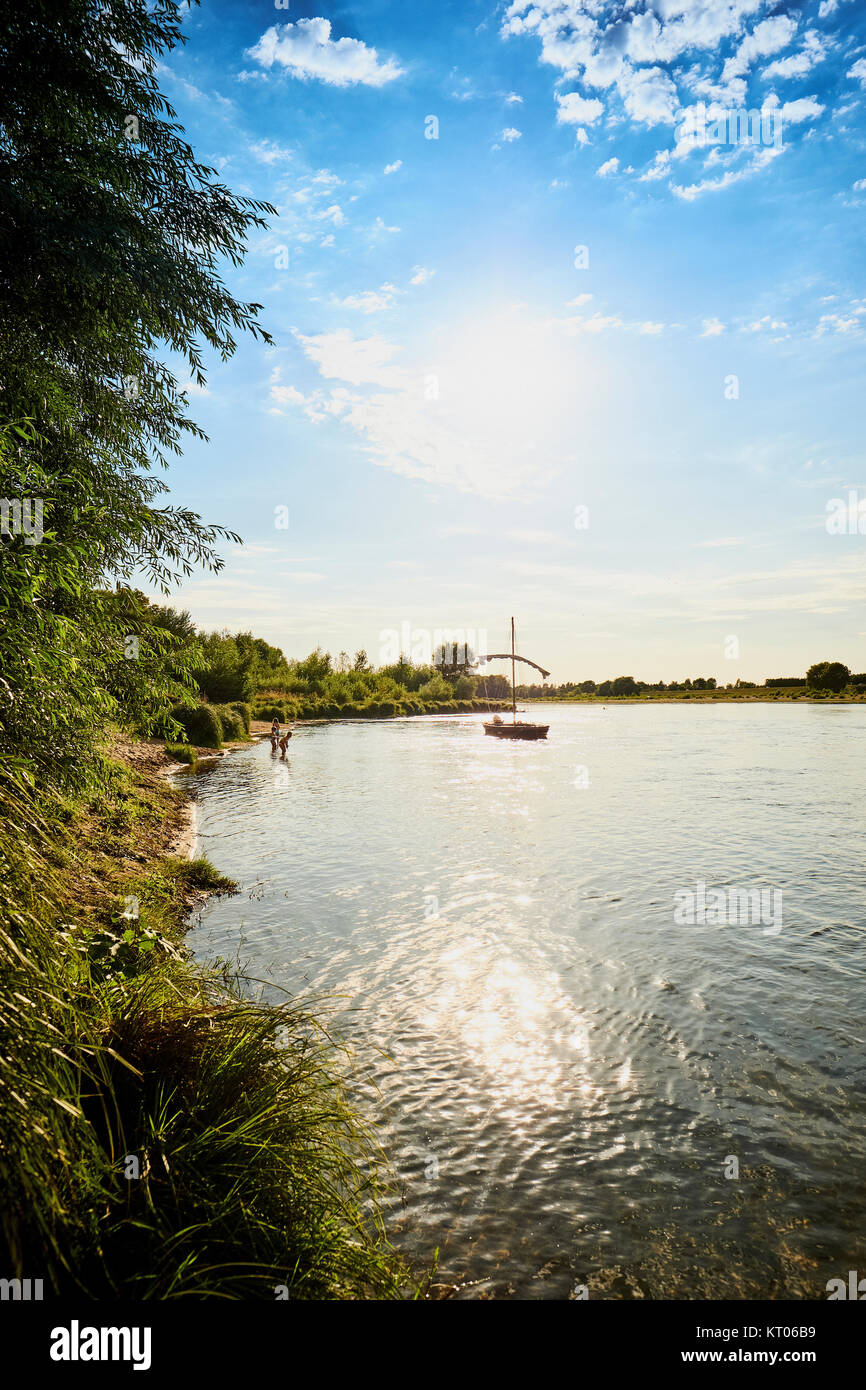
{"x":599,"y":323}
{"x":649,"y":96}
{"x":859,"y":71}
{"x":609,"y":167}
{"x":392,"y":168}
{"x":813,"y":51}
{"x":766,"y":38}
{"x":759,"y":159}
{"x":659,"y":168}
{"x":361,"y":361}
{"x":370,"y":301}
{"x":307,"y":51}
{"x":712,"y":328}
{"x":283,"y":395}
{"x":803,"y":109}
{"x":268,"y":153}
{"x":334,"y":214}
{"x":639,"y":62}
{"x":421,"y":275}
{"x":509,"y":135}
{"x":835,"y":323}
{"x":512,"y":98}
{"x":573,"y":109}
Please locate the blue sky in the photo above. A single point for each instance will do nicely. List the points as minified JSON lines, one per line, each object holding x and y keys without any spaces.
{"x":568,"y":359}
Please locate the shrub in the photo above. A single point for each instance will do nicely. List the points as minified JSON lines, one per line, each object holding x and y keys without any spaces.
{"x":201,"y":724}
{"x":181,"y":753}
{"x":231,"y":721}
{"x":270,"y":711}
{"x":437,"y":688}
{"x":246,"y":713}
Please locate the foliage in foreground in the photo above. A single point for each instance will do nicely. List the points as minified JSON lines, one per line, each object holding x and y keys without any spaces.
{"x":160,"y":1135}
{"x":113,"y":240}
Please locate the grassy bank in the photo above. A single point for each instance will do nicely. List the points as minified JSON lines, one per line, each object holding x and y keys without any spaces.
{"x":302,"y":711}
{"x":160,"y":1135}
{"x":760,"y":695}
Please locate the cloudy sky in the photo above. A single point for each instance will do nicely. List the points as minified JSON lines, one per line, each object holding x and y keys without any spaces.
{"x":569,"y":310}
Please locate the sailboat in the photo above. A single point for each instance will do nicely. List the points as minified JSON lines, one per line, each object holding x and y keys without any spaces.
{"x":500,"y":728}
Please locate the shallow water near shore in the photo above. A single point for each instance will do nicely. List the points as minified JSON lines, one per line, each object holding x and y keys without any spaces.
{"x":565,"y":1077}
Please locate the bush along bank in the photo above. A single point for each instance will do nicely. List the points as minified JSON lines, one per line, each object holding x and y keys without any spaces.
{"x":160,"y":1134}
{"x":289,"y":711}
{"x":209,"y":726}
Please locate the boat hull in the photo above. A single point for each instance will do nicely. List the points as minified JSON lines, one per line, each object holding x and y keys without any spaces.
{"x":517,"y":730}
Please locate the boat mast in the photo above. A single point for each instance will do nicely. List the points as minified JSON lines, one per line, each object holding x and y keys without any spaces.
{"x":513,"y":679}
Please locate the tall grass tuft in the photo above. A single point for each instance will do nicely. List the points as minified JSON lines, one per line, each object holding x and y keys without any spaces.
{"x":159,"y":1135}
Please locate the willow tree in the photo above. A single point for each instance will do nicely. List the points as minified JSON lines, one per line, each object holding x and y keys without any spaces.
{"x":113,"y":243}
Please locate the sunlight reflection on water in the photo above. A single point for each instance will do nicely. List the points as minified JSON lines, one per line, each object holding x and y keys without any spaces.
{"x":498,"y":943}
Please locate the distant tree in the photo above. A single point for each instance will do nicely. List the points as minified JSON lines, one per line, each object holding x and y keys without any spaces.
{"x":624,"y":685}
{"x":361,"y":662}
{"x":267,"y":655}
{"x":493,"y":687}
{"x":587,"y":687}
{"x":315,"y":668}
{"x":828,"y":675}
{"x":173,"y":620}
{"x":605,"y":688}
{"x":454,"y":658}
{"x":228,"y":670}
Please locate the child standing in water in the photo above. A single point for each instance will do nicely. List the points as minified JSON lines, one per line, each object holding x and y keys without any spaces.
{"x":284,"y":742}
{"x":275,"y":734}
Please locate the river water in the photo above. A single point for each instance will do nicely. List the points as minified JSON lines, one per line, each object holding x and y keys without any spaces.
{"x":578,"y":1084}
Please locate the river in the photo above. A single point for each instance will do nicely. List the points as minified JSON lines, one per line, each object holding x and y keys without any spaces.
{"x":580,"y":1086}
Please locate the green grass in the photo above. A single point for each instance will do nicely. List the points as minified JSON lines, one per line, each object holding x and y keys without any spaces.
{"x":160,"y":1134}
{"x":182,"y":753}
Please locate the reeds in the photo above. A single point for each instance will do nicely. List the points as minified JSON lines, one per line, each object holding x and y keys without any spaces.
{"x":160,"y":1136}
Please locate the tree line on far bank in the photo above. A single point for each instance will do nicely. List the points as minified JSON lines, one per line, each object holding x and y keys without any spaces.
{"x":826,"y":677}
{"x":226,"y":668}
{"x":206,"y":687}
